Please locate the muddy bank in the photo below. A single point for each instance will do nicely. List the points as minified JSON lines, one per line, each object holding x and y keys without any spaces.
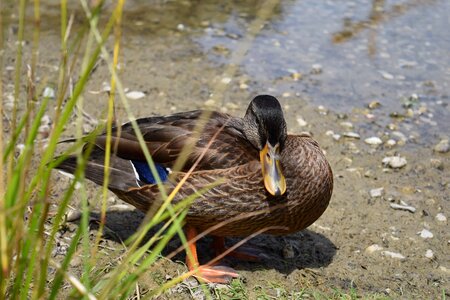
{"x":367,"y":80}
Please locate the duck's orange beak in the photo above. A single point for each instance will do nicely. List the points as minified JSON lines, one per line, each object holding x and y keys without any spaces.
{"x":274,"y":180}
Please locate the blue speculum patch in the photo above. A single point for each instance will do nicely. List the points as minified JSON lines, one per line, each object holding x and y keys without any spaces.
{"x":145,"y":174}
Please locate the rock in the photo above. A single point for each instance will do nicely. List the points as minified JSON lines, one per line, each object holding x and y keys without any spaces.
{"x":394,"y":162}
{"x":376,"y":193}
{"x":374,"y":104}
{"x":429,"y":254}
{"x":372,"y":248}
{"x":425,"y":234}
{"x":135,"y":95}
{"x":441,"y":217}
{"x":443,"y":146}
{"x":390,"y":143}
{"x":322,"y":110}
{"x":403,"y":207}
{"x":316,"y":69}
{"x":386,"y":75}
{"x":399,"y":135}
{"x":225,"y":80}
{"x":210,"y":102}
{"x":374,"y":140}
{"x":437,"y":164}
{"x":352,"y":135}
{"x":48,"y":92}
{"x":73,"y":215}
{"x":243,"y":86}
{"x":393,"y":254}
{"x":346,"y":124}
{"x":301,"y":122}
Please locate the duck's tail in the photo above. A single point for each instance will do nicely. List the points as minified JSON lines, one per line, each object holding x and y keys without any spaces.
{"x":121,"y":172}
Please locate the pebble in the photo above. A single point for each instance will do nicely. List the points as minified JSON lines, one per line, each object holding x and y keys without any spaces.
{"x":429,"y":254}
{"x":347,"y":124}
{"x":391,"y":143}
{"x":301,"y":122}
{"x":437,"y":164}
{"x":226,"y":80}
{"x":135,"y":95}
{"x":394,"y":162}
{"x":425,"y":233}
{"x":399,"y":135}
{"x":441,"y":217}
{"x":120,"y":207}
{"x":393,"y":254}
{"x":403,"y":207}
{"x":376,"y":193}
{"x":48,"y":92}
{"x":351,"y":134}
{"x":45,"y":120}
{"x":386,"y":75}
{"x":44,"y":131}
{"x":374,"y":104}
{"x":243,"y":86}
{"x":322,"y":110}
{"x":374,"y":140}
{"x":335,"y":136}
{"x":316,"y":69}
{"x":443,"y":146}
{"x":210,"y":102}
{"x":73,"y":215}
{"x":372,"y":248}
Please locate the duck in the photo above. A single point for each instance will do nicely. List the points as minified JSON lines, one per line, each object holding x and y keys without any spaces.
{"x":260,"y":178}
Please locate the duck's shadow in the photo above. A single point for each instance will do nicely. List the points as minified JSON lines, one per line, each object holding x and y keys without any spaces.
{"x":305,"y":249}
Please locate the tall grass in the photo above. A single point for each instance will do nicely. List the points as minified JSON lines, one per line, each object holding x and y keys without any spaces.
{"x":26,"y":239}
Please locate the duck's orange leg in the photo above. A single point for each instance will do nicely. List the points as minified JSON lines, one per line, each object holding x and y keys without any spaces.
{"x":216,"y":274}
{"x":244,"y":253}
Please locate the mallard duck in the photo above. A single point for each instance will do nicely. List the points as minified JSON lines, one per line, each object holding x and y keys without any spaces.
{"x":269,"y":179}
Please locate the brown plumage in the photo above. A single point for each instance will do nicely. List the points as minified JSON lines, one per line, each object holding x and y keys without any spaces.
{"x":233,"y":157}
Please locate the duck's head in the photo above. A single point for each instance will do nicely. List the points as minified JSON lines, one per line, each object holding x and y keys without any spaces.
{"x":265,"y":128}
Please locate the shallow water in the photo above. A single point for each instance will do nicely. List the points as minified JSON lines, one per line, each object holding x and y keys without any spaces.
{"x":366,"y":50}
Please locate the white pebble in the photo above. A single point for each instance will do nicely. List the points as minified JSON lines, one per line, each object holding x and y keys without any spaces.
{"x":429,"y":254}
{"x":441,"y":217}
{"x":386,"y":75}
{"x":372,"y":248}
{"x":226,"y":80}
{"x":48,"y":93}
{"x":347,"y":125}
{"x":425,"y":233}
{"x":316,"y":69}
{"x":393,"y":254}
{"x":352,"y":135}
{"x":390,"y":143}
{"x":442,"y":147}
{"x":243,"y":86}
{"x":394,"y":162}
{"x":135,"y":95}
{"x":301,"y":122}
{"x":403,"y":207}
{"x":374,"y":140}
{"x":376,"y":193}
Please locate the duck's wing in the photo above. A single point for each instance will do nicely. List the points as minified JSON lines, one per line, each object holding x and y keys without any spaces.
{"x":221,"y":142}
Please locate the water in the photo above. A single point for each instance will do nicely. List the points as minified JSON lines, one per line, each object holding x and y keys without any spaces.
{"x":340,"y":54}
